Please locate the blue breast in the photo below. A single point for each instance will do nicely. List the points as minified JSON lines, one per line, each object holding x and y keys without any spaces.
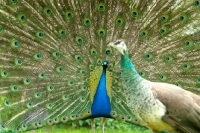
{"x":101,"y":106}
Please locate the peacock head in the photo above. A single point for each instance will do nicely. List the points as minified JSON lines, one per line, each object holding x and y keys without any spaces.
{"x":119,"y":45}
{"x":105,"y":63}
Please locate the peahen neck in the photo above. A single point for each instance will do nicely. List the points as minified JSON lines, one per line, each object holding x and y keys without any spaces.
{"x":101,"y":106}
{"x":137,"y":89}
{"x":128,"y":69}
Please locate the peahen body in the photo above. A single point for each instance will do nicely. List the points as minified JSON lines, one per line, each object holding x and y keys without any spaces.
{"x":56,"y":67}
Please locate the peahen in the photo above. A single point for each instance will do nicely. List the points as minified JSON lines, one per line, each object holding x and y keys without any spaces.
{"x":162,"y":107}
{"x":56,"y":66}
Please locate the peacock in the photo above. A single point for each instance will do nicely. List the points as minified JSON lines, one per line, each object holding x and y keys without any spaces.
{"x":56,"y":65}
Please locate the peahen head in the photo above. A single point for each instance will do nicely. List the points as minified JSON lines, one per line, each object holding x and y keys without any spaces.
{"x":119,"y":45}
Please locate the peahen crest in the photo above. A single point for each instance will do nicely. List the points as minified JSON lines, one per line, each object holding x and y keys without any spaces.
{"x":51,"y":55}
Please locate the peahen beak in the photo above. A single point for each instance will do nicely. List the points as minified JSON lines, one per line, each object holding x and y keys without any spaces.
{"x":111,"y":44}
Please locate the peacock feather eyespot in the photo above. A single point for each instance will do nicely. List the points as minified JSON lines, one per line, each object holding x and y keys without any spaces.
{"x":78,"y":40}
{"x":101,"y":32}
{"x":161,"y":76}
{"x":37,"y":95}
{"x":78,"y":58}
{"x":3,"y":127}
{"x":50,"y":88}
{"x":69,"y":14}
{"x":99,"y":62}
{"x":6,"y":103}
{"x":187,"y":43}
{"x":14,"y":88}
{"x":135,"y":120}
{"x":24,"y":127}
{"x":118,"y":100}
{"x":60,"y":69}
{"x":62,"y":32}
{"x":39,"y":124}
{"x":18,"y":62}
{"x":198,"y":80}
{"x":72,"y":116}
{"x":22,"y":17}
{"x":167,"y":58}
{"x":144,"y":33}
{"x":122,"y":117}
{"x":181,"y":18}
{"x":50,"y":122}
{"x":119,"y":73}
{"x":82,"y":98}
{"x":185,"y":66}
{"x":1,"y":29}
{"x":84,"y":88}
{"x":87,"y":21}
{"x":41,"y":75}
{"x":47,"y":11}
{"x":14,"y":43}
{"x":176,"y":84}
{"x":70,"y":83}
{"x":114,"y":81}
{"x":108,"y":51}
{"x":196,"y":3}
{"x":134,"y":13}
{"x":113,"y":113}
{"x":65,"y":97}
{"x":40,"y":34}
{"x":82,"y":72}
{"x":37,"y":56}
{"x":119,"y":21}
{"x":64,"y":119}
{"x":164,"y":18}
{"x":93,"y":51}
{"x":26,"y":81}
{"x":49,"y":106}
{"x":29,"y":105}
{"x":13,"y":1}
{"x":35,"y":125}
{"x":141,"y":73}
{"x":4,"y":74}
{"x":91,"y":67}
{"x":101,"y":7}
{"x":147,"y":56}
{"x":162,"y":31}
{"x":129,"y":117}
{"x":56,"y":54}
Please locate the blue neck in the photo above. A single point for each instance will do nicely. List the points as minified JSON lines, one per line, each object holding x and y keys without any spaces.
{"x":101,"y":106}
{"x":126,"y":64}
{"x":130,"y":78}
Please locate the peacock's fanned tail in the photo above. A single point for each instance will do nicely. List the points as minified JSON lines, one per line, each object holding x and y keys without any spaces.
{"x":51,"y":50}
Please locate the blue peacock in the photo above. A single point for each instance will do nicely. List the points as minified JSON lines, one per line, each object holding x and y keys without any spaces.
{"x":56,"y":65}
